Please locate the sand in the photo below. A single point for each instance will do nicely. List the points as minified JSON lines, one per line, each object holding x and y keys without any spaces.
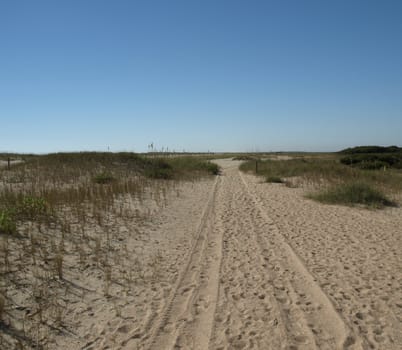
{"x":4,"y":163}
{"x":272,"y":270}
{"x":235,"y":263}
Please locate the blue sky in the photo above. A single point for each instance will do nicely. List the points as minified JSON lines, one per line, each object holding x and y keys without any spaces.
{"x":199,"y":75}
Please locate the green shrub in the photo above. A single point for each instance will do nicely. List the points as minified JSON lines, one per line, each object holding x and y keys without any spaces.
{"x":159,"y":169}
{"x":212,"y":168}
{"x":31,"y":208}
{"x":373,"y":161}
{"x":354,"y":193}
{"x":103,"y":178}
{"x":7,"y":222}
{"x":179,"y":168}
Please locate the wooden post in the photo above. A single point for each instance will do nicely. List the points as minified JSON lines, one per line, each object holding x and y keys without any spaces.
{"x":8,"y":163}
{"x":256,"y":166}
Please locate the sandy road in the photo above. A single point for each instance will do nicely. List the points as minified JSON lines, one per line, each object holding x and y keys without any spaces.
{"x":243,"y":286}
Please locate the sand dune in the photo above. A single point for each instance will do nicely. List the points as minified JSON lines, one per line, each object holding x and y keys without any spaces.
{"x":234,"y":263}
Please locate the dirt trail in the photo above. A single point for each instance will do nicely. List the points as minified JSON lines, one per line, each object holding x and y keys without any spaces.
{"x":244,"y":287}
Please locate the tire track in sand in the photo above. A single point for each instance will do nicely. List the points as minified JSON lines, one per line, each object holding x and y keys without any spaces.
{"x":298,"y":292}
{"x":267,"y":298}
{"x":187,"y":319}
{"x":244,"y":287}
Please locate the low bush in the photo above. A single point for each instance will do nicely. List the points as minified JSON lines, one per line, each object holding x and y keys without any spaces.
{"x":159,"y":169}
{"x":371,"y":161}
{"x":212,"y":168}
{"x":353,"y":193}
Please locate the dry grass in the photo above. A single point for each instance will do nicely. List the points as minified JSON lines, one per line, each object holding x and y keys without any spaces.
{"x":327,"y":176}
{"x":60,"y":216}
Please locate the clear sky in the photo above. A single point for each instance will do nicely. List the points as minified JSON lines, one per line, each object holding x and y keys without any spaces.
{"x":199,"y":75}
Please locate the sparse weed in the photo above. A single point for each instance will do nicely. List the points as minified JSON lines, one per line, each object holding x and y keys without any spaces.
{"x":159,"y":169}
{"x":31,"y":208}
{"x":74,"y":198}
{"x":342,"y":183}
{"x":7,"y":223}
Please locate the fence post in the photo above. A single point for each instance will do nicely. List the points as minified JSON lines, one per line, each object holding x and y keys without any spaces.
{"x":8,"y":163}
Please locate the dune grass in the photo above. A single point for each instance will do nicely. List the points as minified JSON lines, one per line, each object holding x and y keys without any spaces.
{"x":352,"y":194}
{"x":65,"y":209}
{"x":44,"y":184}
{"x":335,"y":181}
{"x":7,"y":223}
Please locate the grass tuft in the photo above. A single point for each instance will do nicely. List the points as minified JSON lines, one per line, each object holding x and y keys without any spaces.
{"x":7,"y":223}
{"x":159,"y":169}
{"x":348,"y":184}
{"x":212,"y":168}
{"x":103,"y":178}
{"x":32,"y":207}
{"x":76,"y":199}
{"x":354,"y":193}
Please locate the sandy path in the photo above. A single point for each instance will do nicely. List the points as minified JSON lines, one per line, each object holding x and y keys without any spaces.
{"x":354,"y":254}
{"x":245,"y":287}
{"x":268,"y":299}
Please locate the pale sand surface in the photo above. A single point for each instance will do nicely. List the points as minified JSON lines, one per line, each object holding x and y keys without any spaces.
{"x":273,"y":270}
{"x":234,"y":263}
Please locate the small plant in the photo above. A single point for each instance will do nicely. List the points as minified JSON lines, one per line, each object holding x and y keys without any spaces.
{"x":103,"y":178}
{"x":32,"y":207}
{"x":7,"y":223}
{"x":354,"y":193}
{"x":159,"y":169}
{"x":213,"y":168}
